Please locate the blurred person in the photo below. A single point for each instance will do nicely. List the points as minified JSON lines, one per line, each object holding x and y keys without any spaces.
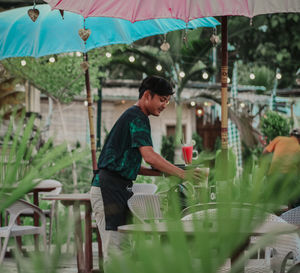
{"x":285,"y":159}
{"x":285,"y":150}
{"x":119,"y":163}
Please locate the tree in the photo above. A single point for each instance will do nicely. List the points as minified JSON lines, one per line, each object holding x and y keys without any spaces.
{"x":271,"y":41}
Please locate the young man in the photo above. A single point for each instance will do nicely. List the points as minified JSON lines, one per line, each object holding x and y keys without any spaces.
{"x":119,"y":163}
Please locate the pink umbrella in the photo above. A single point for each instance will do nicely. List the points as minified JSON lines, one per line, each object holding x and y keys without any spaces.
{"x":137,"y":10}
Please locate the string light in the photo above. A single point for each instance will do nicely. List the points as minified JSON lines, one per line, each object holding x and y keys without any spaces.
{"x":51,"y":59}
{"x":181,"y":74}
{"x":23,"y":62}
{"x":205,"y":75}
{"x":85,"y":103}
{"x":158,"y":67}
{"x":108,"y":54}
{"x":228,"y":80}
{"x":78,"y":54}
{"x":252,"y":76}
{"x":131,"y":59}
{"x":242,"y":105}
{"x":193,"y":103}
{"x":278,"y":76}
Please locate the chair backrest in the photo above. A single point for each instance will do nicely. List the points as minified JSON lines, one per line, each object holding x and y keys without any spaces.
{"x":292,"y":216}
{"x":20,"y":206}
{"x":144,"y":188}
{"x":287,"y":242}
{"x":145,"y":207}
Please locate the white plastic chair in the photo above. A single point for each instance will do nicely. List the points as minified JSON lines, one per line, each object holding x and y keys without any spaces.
{"x":145,"y":207}
{"x":276,"y":255}
{"x":52,"y":212}
{"x":13,"y":229}
{"x":292,"y":216}
{"x":144,"y":188}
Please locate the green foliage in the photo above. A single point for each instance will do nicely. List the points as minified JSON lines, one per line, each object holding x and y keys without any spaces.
{"x":273,"y":125}
{"x":271,"y":41}
{"x":168,"y":148}
{"x":198,"y":142}
{"x":264,"y":76}
{"x":62,"y":79}
{"x":178,"y":252}
{"x":84,"y":176}
{"x":23,"y":163}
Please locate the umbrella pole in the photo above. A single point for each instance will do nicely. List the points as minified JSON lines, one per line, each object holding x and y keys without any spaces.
{"x":224,"y":91}
{"x":90,"y":114}
{"x":222,"y":160}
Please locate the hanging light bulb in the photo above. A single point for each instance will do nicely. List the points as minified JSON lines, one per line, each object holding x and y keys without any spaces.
{"x":205,"y":75}
{"x":108,"y":54}
{"x":181,"y":74}
{"x":242,"y":105}
{"x":193,"y":103}
{"x":252,"y":76}
{"x":131,"y":59}
{"x":158,"y":67}
{"x":23,"y":62}
{"x":51,"y":59}
{"x":278,"y":76}
{"x":228,"y":80}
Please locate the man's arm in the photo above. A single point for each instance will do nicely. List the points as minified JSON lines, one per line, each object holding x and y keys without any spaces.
{"x":159,"y":163}
{"x":149,"y":171}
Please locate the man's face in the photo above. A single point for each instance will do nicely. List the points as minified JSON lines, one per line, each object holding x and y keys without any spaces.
{"x":157,"y":104}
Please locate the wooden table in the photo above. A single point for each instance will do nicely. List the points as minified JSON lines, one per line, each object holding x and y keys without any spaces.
{"x":275,"y":228}
{"x":84,"y":257}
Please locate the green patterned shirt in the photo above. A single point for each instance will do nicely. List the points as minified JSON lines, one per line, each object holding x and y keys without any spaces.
{"x":120,"y":152}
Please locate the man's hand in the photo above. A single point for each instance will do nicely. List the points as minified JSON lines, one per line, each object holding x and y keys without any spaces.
{"x":196,"y":175}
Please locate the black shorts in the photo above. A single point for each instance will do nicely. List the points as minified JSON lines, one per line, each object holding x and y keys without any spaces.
{"x":115,"y":193}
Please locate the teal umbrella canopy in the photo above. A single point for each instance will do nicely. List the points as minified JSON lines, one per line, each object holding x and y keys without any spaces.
{"x":51,"y":34}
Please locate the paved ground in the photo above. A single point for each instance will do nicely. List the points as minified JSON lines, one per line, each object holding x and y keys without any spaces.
{"x":67,"y":262}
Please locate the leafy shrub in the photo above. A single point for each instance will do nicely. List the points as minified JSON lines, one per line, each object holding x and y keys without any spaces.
{"x":168,"y":148}
{"x":273,"y":125}
{"x":198,"y":142}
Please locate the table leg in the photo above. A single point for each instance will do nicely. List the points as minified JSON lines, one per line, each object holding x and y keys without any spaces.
{"x":78,"y":238}
{"x":88,"y":238}
{"x":36,"y":219}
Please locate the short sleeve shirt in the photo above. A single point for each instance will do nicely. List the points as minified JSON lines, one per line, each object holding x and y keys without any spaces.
{"x":285,"y":150}
{"x":121,"y":153}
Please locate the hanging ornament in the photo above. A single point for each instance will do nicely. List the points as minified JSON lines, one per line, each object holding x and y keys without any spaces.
{"x":84,"y":33}
{"x":62,"y":13}
{"x":84,"y":66}
{"x":165,"y":46}
{"x":33,"y":13}
{"x":214,"y":38}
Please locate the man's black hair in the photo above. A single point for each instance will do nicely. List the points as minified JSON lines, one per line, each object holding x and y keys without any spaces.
{"x":157,"y":85}
{"x":296,"y":133}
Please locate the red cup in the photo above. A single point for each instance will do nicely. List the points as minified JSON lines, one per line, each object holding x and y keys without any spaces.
{"x":187,"y":152}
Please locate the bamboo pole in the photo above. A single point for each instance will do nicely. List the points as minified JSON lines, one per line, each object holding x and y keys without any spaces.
{"x":90,"y":115}
{"x":224,"y":89}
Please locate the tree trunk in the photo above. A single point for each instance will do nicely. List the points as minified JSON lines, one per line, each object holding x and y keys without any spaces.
{"x":74,"y":173}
